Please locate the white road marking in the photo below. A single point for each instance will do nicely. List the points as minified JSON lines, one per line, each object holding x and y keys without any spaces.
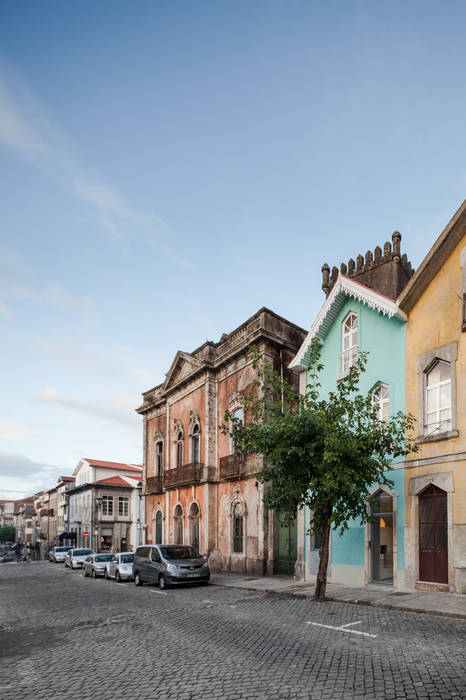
{"x":159,"y":592}
{"x":343,"y":628}
{"x":348,"y":624}
{"x":122,"y":584}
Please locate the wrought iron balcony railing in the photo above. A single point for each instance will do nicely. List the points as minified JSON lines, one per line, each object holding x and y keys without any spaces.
{"x":184,"y":475}
{"x":231,"y":467}
{"x":154,"y":484}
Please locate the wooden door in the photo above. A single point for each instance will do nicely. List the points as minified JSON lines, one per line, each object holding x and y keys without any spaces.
{"x":287,"y":548}
{"x":433,"y":535}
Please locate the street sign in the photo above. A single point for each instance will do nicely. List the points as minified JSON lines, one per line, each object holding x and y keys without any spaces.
{"x":85,"y":534}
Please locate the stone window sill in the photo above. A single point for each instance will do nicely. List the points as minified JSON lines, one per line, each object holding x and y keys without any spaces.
{"x":437,"y":437}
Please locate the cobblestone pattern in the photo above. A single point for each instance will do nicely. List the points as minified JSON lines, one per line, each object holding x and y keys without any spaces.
{"x":67,"y":637}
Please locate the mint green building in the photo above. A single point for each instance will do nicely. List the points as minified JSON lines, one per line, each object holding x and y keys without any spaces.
{"x":355,"y":317}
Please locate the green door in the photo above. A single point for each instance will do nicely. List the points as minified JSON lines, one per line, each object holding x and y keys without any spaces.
{"x":158,"y":528}
{"x":287,"y":548}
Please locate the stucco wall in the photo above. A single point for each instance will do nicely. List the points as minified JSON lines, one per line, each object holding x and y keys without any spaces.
{"x":385,"y":340}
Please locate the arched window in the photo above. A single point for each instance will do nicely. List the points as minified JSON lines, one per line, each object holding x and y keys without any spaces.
{"x":195,"y":444}
{"x":349,"y":343}
{"x":179,"y":449}
{"x":194,"y":517}
{"x":238,"y":419}
{"x":238,"y":528}
{"x":178,"y":520}
{"x":159,"y":458}
{"x":438,"y":398}
{"x":158,"y":527}
{"x":381,"y":401}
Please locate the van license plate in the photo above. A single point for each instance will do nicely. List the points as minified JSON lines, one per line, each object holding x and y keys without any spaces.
{"x":193,"y":575}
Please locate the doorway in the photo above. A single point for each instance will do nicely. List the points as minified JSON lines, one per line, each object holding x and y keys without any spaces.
{"x":433,"y":535}
{"x":287,"y":547}
{"x":382,"y":538}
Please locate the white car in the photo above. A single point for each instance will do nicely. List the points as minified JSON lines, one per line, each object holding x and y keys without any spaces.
{"x":120,"y":567}
{"x":58,"y":553}
{"x":74,"y":557}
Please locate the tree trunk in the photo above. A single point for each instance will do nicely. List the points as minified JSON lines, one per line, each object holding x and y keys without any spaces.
{"x":321,"y":583}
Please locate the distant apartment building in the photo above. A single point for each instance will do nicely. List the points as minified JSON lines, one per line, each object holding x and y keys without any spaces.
{"x":105,"y":507}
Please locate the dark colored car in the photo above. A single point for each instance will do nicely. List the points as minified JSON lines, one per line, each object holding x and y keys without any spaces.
{"x":168,"y":564}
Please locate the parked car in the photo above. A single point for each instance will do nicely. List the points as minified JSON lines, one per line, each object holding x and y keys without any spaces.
{"x":168,"y":564}
{"x":95,"y":564}
{"x":74,"y":557}
{"x":8,"y":556}
{"x":57,"y":554}
{"x":120,"y":567}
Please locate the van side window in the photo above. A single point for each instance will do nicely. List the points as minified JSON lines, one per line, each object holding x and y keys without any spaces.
{"x":142,"y":552}
{"x":155,"y":556}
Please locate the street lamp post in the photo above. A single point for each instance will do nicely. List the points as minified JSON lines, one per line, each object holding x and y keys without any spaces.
{"x":98,"y":502}
{"x":139,"y":488}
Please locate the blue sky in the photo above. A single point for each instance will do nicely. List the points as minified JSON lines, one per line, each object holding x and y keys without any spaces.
{"x":166,"y":169}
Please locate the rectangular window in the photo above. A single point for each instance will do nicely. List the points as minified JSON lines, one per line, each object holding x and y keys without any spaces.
{"x":107,"y":505}
{"x":123,"y":505}
{"x":159,"y":458}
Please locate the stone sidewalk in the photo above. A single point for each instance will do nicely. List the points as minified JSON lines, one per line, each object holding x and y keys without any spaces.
{"x":446,"y":604}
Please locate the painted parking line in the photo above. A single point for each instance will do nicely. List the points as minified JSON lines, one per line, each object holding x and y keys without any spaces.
{"x":122,"y":584}
{"x":343,"y":628}
{"x":159,"y":592}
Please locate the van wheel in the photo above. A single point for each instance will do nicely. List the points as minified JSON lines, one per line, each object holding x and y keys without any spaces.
{"x":137,"y":579}
{"x":117,"y":577}
{"x":162,"y":582}
{"x":106,"y":575}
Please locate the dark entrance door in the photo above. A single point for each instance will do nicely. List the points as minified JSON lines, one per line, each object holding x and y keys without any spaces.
{"x":433,"y":535}
{"x":287,"y":547}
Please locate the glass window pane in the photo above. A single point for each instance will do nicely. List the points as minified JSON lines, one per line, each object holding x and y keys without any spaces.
{"x":426,"y":510}
{"x":441,"y":509}
{"x":445,"y":395}
{"x":441,"y":537}
{"x":443,"y":371}
{"x":426,"y":536}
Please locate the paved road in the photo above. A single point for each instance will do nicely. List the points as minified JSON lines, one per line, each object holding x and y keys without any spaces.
{"x":65,"y":637}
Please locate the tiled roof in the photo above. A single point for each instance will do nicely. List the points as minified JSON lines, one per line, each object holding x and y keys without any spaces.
{"x":114,"y":465}
{"x":117,"y":480}
{"x":67,"y":478}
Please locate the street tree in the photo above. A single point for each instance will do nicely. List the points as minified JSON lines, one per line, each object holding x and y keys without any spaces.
{"x":7,"y":533}
{"x":321,"y":452}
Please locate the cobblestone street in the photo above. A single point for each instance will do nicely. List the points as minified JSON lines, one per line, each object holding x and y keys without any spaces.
{"x":64,"y":636}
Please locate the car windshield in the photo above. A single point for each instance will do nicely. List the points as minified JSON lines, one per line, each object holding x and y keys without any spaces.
{"x":127,"y":558}
{"x":62,"y":549}
{"x":179,"y":553}
{"x":104,"y":557}
{"x":81,"y":552}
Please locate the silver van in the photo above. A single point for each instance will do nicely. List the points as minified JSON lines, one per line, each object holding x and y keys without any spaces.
{"x":168,"y":564}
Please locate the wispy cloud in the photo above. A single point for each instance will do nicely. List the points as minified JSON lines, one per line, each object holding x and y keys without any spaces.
{"x":4,"y":310}
{"x":15,"y":132}
{"x":119,"y":410}
{"x":35,"y":137}
{"x":53,"y":295}
{"x":13,"y":431}
{"x":18,"y":466}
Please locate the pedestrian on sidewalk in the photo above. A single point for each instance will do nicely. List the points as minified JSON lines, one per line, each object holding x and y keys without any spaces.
{"x":25,"y":556}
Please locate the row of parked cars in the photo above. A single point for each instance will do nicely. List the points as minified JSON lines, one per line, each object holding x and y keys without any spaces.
{"x":163,"y":564}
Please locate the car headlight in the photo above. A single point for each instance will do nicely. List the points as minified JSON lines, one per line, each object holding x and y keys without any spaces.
{"x":173,"y":567}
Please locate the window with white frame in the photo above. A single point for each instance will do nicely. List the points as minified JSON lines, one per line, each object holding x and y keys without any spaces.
{"x":349,"y":344}
{"x":195,"y":444}
{"x":381,"y":401}
{"x":107,"y":505}
{"x":123,"y":505}
{"x":159,"y":458}
{"x":438,"y":398}
{"x":179,"y":449}
{"x":238,"y":419}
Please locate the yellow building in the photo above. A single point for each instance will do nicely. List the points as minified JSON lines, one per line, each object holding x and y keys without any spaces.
{"x":435,"y":478}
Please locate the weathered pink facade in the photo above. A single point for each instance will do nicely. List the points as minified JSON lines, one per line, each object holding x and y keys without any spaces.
{"x":197,"y":491}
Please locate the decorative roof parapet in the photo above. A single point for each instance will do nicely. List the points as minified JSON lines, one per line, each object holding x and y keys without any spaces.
{"x":386,"y":272}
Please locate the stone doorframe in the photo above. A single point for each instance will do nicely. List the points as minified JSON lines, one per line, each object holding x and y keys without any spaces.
{"x":444,"y":482}
{"x":368,"y":536}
